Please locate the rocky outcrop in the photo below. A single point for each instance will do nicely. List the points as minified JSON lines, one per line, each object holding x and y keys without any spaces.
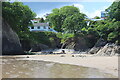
{"x":78,"y":43}
{"x":55,"y":43}
{"x":94,"y":50}
{"x":38,"y":47}
{"x":26,"y":45}
{"x":102,"y":48}
{"x":100,"y":43}
{"x":10,"y":41}
{"x":109,"y":50}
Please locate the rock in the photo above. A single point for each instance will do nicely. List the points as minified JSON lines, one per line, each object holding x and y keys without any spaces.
{"x":94,"y":50}
{"x":63,"y":52}
{"x":109,"y":50}
{"x":10,"y":41}
{"x":76,"y":44}
{"x":62,"y":56}
{"x":103,"y":49}
{"x":73,"y":56}
{"x":51,"y":52}
{"x":38,"y":47}
{"x":26,"y":45}
{"x":100,"y":43}
{"x":56,"y":43}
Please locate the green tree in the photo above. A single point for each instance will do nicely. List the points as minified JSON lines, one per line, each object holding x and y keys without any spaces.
{"x":114,"y":35}
{"x":69,"y":11}
{"x":96,"y":17}
{"x":58,"y":16}
{"x":18,"y":17}
{"x":107,"y":29}
{"x":74,"y":23}
{"x":114,"y":11}
{"x":42,"y":20}
{"x":56,"y":21}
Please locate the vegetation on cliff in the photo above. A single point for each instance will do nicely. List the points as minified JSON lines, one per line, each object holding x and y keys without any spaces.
{"x":18,"y":16}
{"x":68,"y":21}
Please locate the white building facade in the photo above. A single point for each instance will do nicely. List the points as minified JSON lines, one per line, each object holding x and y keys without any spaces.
{"x":41,"y":27}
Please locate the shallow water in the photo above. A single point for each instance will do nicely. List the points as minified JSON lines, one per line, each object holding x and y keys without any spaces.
{"x":16,"y":68}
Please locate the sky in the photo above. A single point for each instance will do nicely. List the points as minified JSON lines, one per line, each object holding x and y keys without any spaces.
{"x":91,"y":9}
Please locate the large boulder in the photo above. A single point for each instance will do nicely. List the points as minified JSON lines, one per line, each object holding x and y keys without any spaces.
{"x":38,"y":47}
{"x":99,"y":44}
{"x":78,"y":44}
{"x":26,"y":45}
{"x":32,"y":47}
{"x":10,"y":41}
{"x":55,"y":43}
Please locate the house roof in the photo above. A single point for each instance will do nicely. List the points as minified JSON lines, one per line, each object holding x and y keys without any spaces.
{"x":41,"y":24}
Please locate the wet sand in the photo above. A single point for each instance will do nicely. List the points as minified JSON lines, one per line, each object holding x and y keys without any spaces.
{"x":105,"y":64}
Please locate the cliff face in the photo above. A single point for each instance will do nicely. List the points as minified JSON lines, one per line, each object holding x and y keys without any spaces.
{"x":10,"y":41}
{"x":76,"y":44}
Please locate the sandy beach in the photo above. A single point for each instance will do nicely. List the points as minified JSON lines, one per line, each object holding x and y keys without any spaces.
{"x":105,"y":64}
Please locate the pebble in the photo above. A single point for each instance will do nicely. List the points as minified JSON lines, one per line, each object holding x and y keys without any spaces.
{"x":62,"y":56}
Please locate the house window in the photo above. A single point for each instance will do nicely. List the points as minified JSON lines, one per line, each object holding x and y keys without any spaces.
{"x":32,"y":27}
{"x":38,"y":27}
{"x":44,"y":27}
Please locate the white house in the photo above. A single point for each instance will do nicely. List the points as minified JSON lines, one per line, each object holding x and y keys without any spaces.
{"x":92,"y":19}
{"x":40,"y":26}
